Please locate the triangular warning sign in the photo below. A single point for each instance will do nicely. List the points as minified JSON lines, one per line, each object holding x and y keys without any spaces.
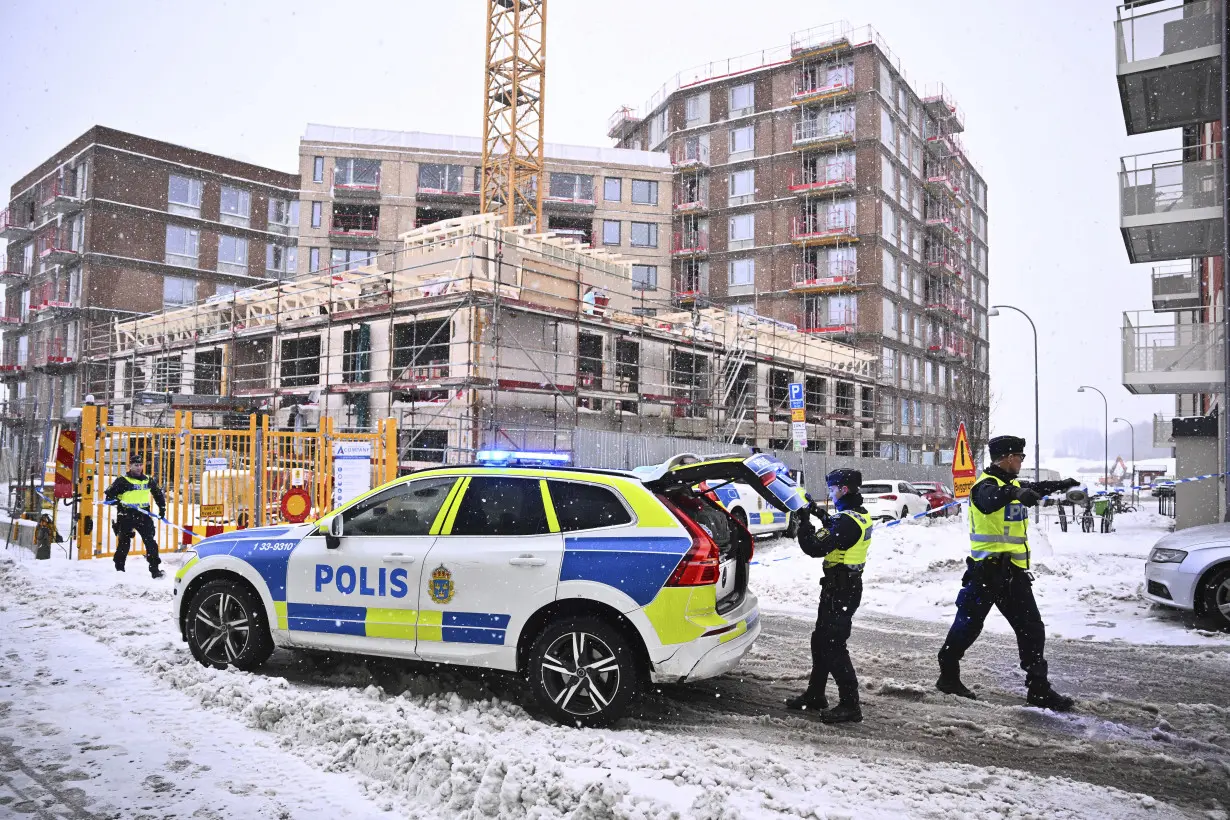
{"x":962,"y":459}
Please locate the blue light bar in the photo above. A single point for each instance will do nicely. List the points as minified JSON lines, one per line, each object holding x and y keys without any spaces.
{"x":507,"y":458}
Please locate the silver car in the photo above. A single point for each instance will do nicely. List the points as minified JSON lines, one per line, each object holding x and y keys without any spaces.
{"x":1190,"y":569}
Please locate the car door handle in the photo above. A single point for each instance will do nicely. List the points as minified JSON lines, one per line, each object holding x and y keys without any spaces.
{"x":527,"y":561}
{"x":398,"y":558}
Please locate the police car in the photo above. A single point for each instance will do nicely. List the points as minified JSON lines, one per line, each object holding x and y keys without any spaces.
{"x":588,"y":582}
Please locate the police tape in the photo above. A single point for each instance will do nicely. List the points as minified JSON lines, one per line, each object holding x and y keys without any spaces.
{"x":1166,"y":482}
{"x":150,"y":514}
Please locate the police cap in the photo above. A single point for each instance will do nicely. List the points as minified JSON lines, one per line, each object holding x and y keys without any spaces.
{"x":1002,"y":446}
{"x":844,"y":478}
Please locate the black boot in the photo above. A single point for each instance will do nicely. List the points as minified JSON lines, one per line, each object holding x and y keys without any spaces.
{"x":950,"y":684}
{"x":119,"y":567}
{"x":1044,"y":697}
{"x":155,"y":572}
{"x":843,"y":712}
{"x":808,"y":701}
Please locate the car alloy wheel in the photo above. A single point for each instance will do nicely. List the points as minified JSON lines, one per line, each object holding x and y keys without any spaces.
{"x":221,"y":627}
{"x":1221,"y":599}
{"x":580,"y":673}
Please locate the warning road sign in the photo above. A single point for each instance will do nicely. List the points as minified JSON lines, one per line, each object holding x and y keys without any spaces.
{"x":963,"y":470}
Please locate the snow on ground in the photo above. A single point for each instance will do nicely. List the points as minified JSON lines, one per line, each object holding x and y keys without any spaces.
{"x":443,"y":748}
{"x":1087,"y":585}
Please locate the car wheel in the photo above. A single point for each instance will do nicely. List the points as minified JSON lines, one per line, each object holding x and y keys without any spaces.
{"x":227,"y":626}
{"x":740,"y":516}
{"x":905,"y":512}
{"x":1216,"y":595}
{"x":792,"y":526}
{"x":583,"y":671}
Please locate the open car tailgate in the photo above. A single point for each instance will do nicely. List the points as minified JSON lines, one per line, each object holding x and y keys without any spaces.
{"x":763,"y":473}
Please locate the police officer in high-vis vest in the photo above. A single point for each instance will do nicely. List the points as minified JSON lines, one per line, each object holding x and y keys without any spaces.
{"x":843,"y":545}
{"x":997,"y":573}
{"x":135,"y":494}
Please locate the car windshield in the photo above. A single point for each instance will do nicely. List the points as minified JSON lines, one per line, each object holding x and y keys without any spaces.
{"x":876,"y":489}
{"x":926,"y":486}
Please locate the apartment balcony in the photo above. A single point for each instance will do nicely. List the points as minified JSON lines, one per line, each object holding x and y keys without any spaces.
{"x":349,"y":186}
{"x":942,"y":181}
{"x":12,"y":309}
{"x":10,"y":229}
{"x":943,"y":224}
{"x":945,"y":260}
{"x":830,"y":131}
{"x":947,"y":309}
{"x":362,"y":228}
{"x":831,"y":277}
{"x":823,"y":86}
{"x":60,"y":196}
{"x":834,"y":227}
{"x":689,"y":155}
{"x":1169,"y":63}
{"x":690,"y":201}
{"x":831,"y":38}
{"x":1162,"y":355}
{"x":451,"y":194}
{"x":49,"y":297}
{"x":943,"y":145}
{"x":622,"y":123}
{"x":52,"y":355}
{"x":1170,"y":207}
{"x":831,"y":324}
{"x":825,"y":178}
{"x":687,"y":288}
{"x":1163,"y":431}
{"x":1176,"y":287}
{"x":690,"y":243}
{"x":11,"y":271}
{"x":56,"y":246}
{"x":940,"y":104}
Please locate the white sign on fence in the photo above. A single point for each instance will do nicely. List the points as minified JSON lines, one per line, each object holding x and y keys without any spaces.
{"x":352,"y":470}
{"x":214,"y":464}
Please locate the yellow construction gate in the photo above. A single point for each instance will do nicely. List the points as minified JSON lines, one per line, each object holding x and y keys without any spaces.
{"x":215,"y":481}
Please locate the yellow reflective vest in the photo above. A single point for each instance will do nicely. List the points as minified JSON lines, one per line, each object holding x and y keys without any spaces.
{"x":138,"y":493}
{"x":855,"y":556}
{"x":1004,"y":530}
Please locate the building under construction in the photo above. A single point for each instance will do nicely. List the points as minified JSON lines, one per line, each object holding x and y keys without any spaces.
{"x":475,"y":335}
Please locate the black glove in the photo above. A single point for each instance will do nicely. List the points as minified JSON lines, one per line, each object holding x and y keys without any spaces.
{"x":826,"y":520}
{"x":1069,"y":484}
{"x":162,"y":513}
{"x":1029,"y":498}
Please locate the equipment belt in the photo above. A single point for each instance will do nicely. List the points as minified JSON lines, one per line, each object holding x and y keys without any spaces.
{"x":837,"y":565}
{"x":978,"y":555}
{"x":998,"y":539}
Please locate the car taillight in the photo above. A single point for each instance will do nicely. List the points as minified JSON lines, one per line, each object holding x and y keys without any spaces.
{"x":768,"y":478}
{"x":702,"y":564}
{"x":889,"y":497}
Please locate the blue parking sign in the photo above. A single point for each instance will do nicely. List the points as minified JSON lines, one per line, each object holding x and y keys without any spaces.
{"x":796,"y":396}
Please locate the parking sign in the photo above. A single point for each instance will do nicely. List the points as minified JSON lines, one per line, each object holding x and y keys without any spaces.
{"x":796,"y":396}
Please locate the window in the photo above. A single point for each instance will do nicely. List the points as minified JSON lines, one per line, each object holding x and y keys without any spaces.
{"x":742,"y":99}
{"x":352,"y":259}
{"x":282,"y":261}
{"x":501,"y":506}
{"x":184,"y":195}
{"x":571,"y":187}
{"x":183,"y":246}
{"x":742,"y":232}
{"x":407,"y":509}
{"x":314,"y":260}
{"x":235,"y":206}
{"x":168,"y":374}
{"x":317,"y":207}
{"x":225,"y":290}
{"x":612,"y":189}
{"x":644,"y":277}
{"x":429,"y":445}
{"x":318,"y":169}
{"x":890,"y":319}
{"x":610,"y":232}
{"x":421,"y":349}
{"x":644,"y":192}
{"x":814,"y":395}
{"x":177,"y":292}
{"x":742,"y":139}
{"x":351,"y":172}
{"x":696,"y":109}
{"x":742,"y":272}
{"x":443,"y":179}
{"x":644,"y":235}
{"x":657,"y":129}
{"x":889,"y":265}
{"x":301,"y":361}
{"x":742,"y":186}
{"x":232,"y":255}
{"x":283,"y":212}
{"x":586,"y":507}
{"x":357,"y":355}
{"x":207,"y":373}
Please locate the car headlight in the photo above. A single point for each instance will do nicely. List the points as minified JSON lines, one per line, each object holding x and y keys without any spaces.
{"x":1161,"y":555}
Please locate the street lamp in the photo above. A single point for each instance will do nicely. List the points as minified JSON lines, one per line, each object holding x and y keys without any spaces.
{"x":1105,"y":432}
{"x":994,"y":311}
{"x":1133,"y":426}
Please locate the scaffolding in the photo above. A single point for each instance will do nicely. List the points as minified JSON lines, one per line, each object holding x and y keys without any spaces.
{"x":475,"y":335}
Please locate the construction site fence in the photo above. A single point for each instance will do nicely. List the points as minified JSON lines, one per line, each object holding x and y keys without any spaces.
{"x":216,"y":481}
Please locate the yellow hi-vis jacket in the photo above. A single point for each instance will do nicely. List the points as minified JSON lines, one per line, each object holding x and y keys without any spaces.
{"x":855,"y":556}
{"x":138,"y":493}
{"x":1004,"y":530}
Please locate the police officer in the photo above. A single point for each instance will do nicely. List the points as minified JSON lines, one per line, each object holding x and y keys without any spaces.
{"x":997,"y":573}
{"x":843,"y":545}
{"x":134,"y":493}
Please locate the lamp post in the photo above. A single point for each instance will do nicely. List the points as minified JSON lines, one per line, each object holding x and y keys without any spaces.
{"x":1105,"y":431}
{"x":994,"y":311}
{"x":1133,"y":426}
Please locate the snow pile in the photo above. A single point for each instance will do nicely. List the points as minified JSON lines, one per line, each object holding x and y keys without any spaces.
{"x":1088,"y":585}
{"x":449,"y":747}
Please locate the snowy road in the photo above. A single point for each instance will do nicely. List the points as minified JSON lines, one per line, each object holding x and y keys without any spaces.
{"x":104,"y":714}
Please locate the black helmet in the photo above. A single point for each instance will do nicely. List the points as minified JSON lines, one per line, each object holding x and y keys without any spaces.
{"x":844,"y":477}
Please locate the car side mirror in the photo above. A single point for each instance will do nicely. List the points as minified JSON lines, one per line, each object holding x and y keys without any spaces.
{"x":333,"y":539}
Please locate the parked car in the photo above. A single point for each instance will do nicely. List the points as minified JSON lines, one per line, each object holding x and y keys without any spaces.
{"x":1190,"y":570}
{"x":889,"y":499}
{"x":937,"y":495}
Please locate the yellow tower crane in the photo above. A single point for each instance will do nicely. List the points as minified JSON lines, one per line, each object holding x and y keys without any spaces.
{"x":513,"y":111}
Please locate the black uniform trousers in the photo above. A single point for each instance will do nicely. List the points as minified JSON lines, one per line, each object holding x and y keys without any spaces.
{"x":997,"y":582}
{"x":126,"y":523}
{"x":841,"y":591}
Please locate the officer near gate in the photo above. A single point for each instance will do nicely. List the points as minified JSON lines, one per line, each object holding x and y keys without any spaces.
{"x":135,"y":493}
{"x":997,"y":573}
{"x":843,"y":545}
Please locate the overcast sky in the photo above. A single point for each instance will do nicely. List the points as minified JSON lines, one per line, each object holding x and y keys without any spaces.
{"x":1036,"y":82}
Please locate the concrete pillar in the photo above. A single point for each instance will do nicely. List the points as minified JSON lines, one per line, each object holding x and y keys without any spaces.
{"x":1195,"y":448}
